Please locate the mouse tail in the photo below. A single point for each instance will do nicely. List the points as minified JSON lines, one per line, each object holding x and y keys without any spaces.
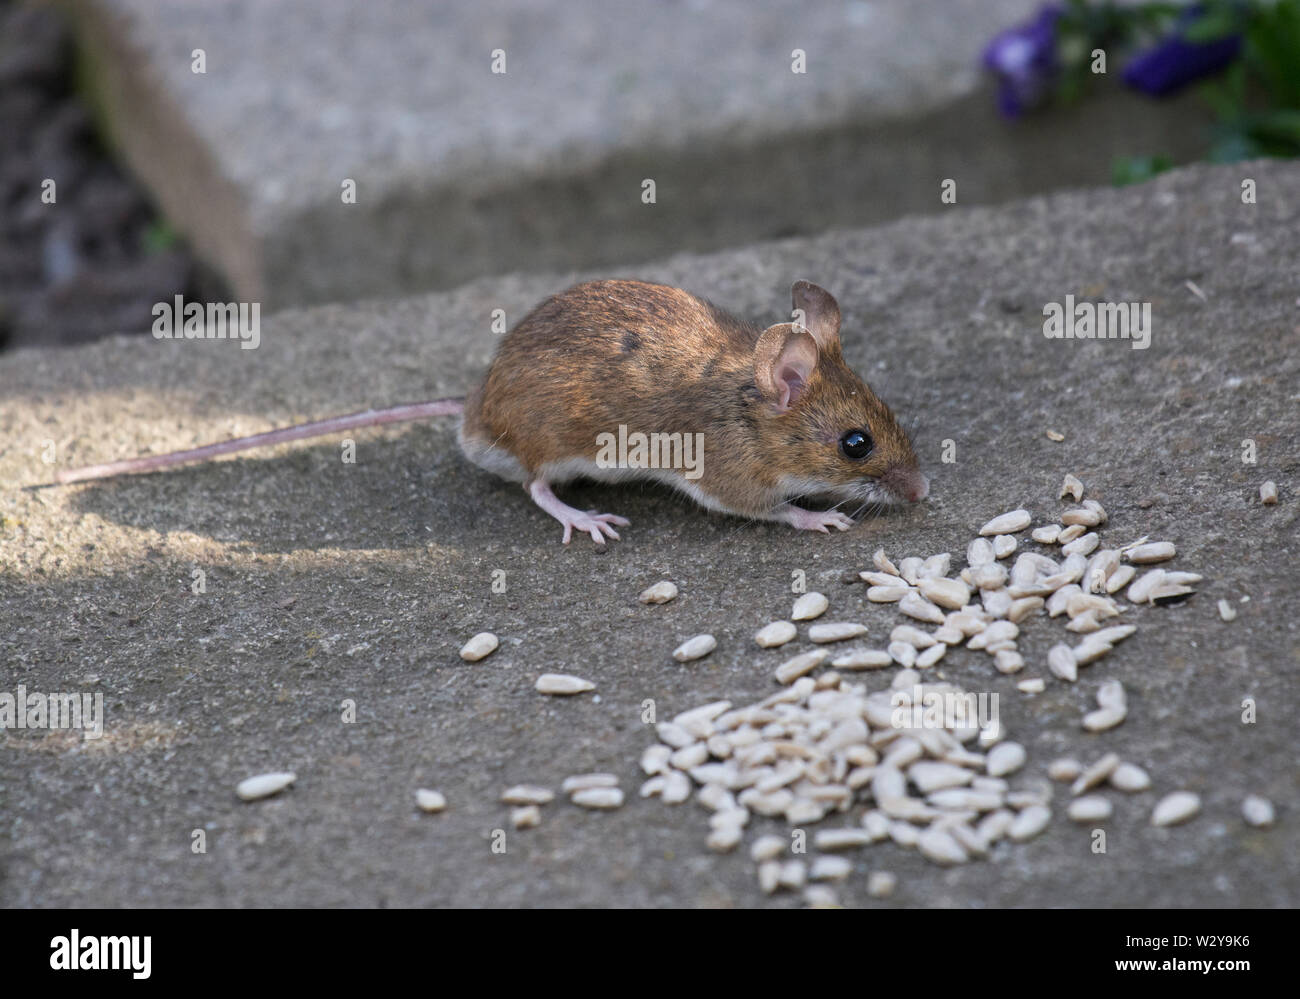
{"x":318,"y":428}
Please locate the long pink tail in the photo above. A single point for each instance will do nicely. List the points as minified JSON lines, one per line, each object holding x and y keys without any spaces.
{"x":366,"y":418}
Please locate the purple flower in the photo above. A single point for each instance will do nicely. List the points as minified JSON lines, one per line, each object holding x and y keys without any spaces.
{"x":1024,"y":59}
{"x":1176,"y":62}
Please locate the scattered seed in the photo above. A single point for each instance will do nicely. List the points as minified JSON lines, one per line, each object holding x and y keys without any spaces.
{"x":1029,"y":823}
{"x":769,"y":876}
{"x":1064,"y":769}
{"x":931,"y":656}
{"x":910,"y":569}
{"x":1070,"y":486}
{"x":1257,"y":811}
{"x":1007,"y":523}
{"x":839,"y":631}
{"x":880,"y":579}
{"x":1085,"y":544}
{"x":677,"y":788}
{"x":1089,"y":808}
{"x":1053,"y":435}
{"x":1048,"y":535}
{"x":881,"y":561}
{"x":1071,"y":533}
{"x":1005,"y":758}
{"x":1103,"y":719}
{"x":830,"y":869}
{"x":695,"y":648}
{"x":1175,"y":808}
{"x":1268,"y":493}
{"x":562,"y":684}
{"x":1007,"y":661}
{"x":793,"y":874}
{"x":724,"y":838}
{"x":1033,"y":685}
{"x":655,"y":785}
{"x":1004,"y":545}
{"x":902,"y":653}
{"x":808,"y":606}
{"x":1022,"y":608}
{"x":598,"y":797}
{"x":264,"y":785}
{"x":430,"y":801}
{"x":1140,"y":591}
{"x":585,"y":782}
{"x":776,"y":634}
{"x":950,"y":593}
{"x":1081,"y":515}
{"x":792,"y":669}
{"x":938,"y":846}
{"x":527,"y":794}
{"x":1062,"y":663}
{"x":767,"y":848}
{"x":660,"y":593}
{"x":527,"y":817}
{"x":916,"y":606}
{"x":989,"y":577}
{"x":1120,"y":578}
{"x":881,"y":884}
{"x":1095,"y":774}
{"x":1155,"y":551}
{"x":1129,"y":777}
{"x":481,"y":645}
{"x":863,"y":659}
{"x":979,"y":552}
{"x":887,"y":594}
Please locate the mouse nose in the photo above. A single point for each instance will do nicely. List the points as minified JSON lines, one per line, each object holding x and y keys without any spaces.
{"x":919,"y":489}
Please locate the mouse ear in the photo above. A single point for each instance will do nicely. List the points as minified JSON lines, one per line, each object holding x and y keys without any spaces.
{"x":821,"y":313}
{"x":784,"y":360}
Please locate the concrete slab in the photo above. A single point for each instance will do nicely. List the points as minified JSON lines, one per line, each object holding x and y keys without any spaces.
{"x":461,"y":172}
{"x":328,"y":582}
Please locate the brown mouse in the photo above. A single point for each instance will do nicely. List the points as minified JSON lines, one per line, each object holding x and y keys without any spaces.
{"x":619,"y":380}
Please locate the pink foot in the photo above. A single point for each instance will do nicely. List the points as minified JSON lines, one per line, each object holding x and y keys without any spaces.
{"x":813,"y":520}
{"x":598,"y":525}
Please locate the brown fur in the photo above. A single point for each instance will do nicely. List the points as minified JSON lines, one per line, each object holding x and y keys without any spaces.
{"x":660,"y":360}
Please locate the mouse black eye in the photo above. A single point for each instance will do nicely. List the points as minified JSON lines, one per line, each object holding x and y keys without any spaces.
{"x":856,"y":444}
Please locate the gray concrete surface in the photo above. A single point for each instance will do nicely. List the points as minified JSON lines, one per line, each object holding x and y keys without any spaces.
{"x":463,"y":173}
{"x":328,"y":582}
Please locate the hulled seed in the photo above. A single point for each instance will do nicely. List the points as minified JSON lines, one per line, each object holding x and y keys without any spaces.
{"x":1257,"y":811}
{"x":695,"y":648}
{"x":264,"y":785}
{"x":430,"y":801}
{"x":809,"y":605}
{"x":1155,"y":551}
{"x":527,"y":817}
{"x":1227,"y":611}
{"x":1268,"y":493}
{"x":887,"y":594}
{"x":482,"y":644}
{"x":838,"y":631}
{"x":881,"y":561}
{"x":562,"y":684}
{"x":1071,"y":486}
{"x":776,"y":634}
{"x":1007,"y":523}
{"x":527,"y":794}
{"x":792,"y":669}
{"x":1089,"y":808}
{"x":598,"y":798}
{"x":1129,"y":777}
{"x":863,"y":659}
{"x":660,"y":593}
{"x":1175,"y":808}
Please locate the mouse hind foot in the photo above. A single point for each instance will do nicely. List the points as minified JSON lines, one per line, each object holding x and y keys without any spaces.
{"x":598,"y":525}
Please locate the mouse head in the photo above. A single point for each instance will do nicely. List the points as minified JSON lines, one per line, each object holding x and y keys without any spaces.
{"x":825,"y":430}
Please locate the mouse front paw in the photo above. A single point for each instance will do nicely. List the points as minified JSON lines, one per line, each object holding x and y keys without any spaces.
{"x":815,"y":520}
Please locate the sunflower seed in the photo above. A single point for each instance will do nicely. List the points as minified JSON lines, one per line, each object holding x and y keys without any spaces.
{"x":1059,"y":602}
{"x":655,"y":759}
{"x":1008,"y":661}
{"x":910,"y":569}
{"x":881,"y":884}
{"x":931,"y":656}
{"x":690,"y":756}
{"x":1090,"y":649}
{"x":839,"y":631}
{"x":930,"y":776}
{"x":482,"y":644}
{"x":1064,"y":769}
{"x":430,"y":801}
{"x":1226,"y":611}
{"x":655,"y":785}
{"x":527,"y":794}
{"x":841,"y":839}
{"x":1070,"y":486}
{"x":997,"y":603}
{"x":793,"y":874}
{"x":1004,"y":545}
{"x":1100,"y":568}
{"x":902,"y":653}
{"x":916,"y":606}
{"x":265,"y":785}
{"x":1048,"y":535}
{"x":724,"y":838}
{"x":950,"y":593}
{"x":598,"y":797}
{"x":769,"y":876}
{"x":1007,"y":523}
{"x":1120,"y":578}
{"x":767,"y":848}
{"x":887,"y":594}
{"x":1082,"y":624}
{"x":1053,"y":435}
{"x":1167,"y":592}
{"x":1061,"y":663}
{"x":660,"y":593}
{"x":912,"y":636}
{"x":863,"y":659}
{"x":562,"y":684}
{"x":1005,"y":758}
{"x":1129,"y":777}
{"x":1103,"y":719}
{"x":1071,"y":534}
{"x":1033,"y":685}
{"x":938,"y":846}
{"x":979,"y":552}
{"x":776,"y":634}
{"x":1085,"y":544}
{"x":904,"y":833}
{"x":586,"y":782}
{"x":809,"y":606}
{"x":677,"y":787}
{"x":792,"y":669}
{"x":527,"y":817}
{"x":989,"y":577}
{"x":674,"y":735}
{"x":1268,"y":493}
{"x":830,"y":869}
{"x":1095,"y":774}
{"x":881,"y":561}
{"x":1079,"y":515}
{"x":1257,"y":811}
{"x":1089,"y":808}
{"x":1155,"y":551}
{"x":1029,"y":823}
{"x":880,"y":579}
{"x":1175,"y":808}
{"x":695,"y":648}
{"x":994,"y":826}
{"x":1140,"y":591}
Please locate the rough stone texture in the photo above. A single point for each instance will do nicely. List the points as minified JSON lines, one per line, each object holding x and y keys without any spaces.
{"x":328,"y":582}
{"x":463,"y":173}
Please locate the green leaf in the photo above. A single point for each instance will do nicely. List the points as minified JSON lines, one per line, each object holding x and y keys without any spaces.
{"x":159,"y":237}
{"x":1126,"y":170}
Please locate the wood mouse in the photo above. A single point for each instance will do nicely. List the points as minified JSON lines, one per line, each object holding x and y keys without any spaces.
{"x":753,"y":419}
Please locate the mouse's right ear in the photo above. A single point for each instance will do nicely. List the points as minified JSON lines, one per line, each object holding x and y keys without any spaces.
{"x":784,"y":360}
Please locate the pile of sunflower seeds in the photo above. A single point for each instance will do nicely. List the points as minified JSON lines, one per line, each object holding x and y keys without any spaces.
{"x":822,"y":743}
